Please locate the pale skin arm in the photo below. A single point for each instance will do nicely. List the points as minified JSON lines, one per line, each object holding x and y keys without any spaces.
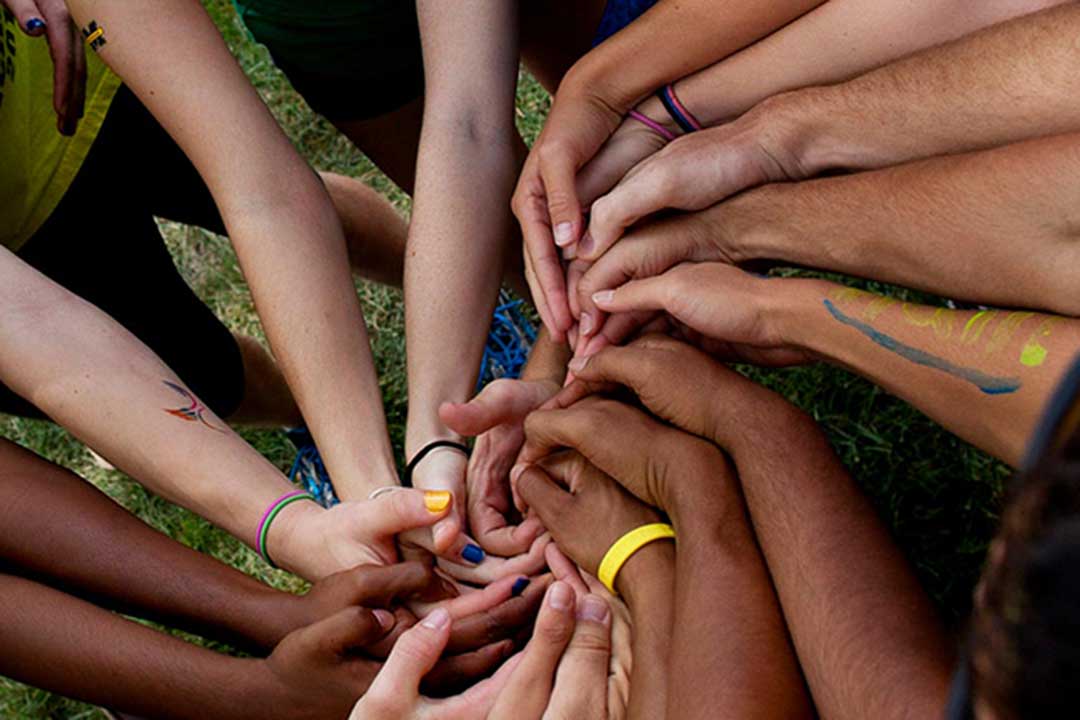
{"x":279,"y":217}
{"x":461,"y":221}
{"x":670,"y":41}
{"x":984,"y":375}
{"x":1011,"y":82}
{"x":996,"y":226}
{"x":830,"y":44}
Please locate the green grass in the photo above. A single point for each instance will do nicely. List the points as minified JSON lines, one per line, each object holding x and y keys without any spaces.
{"x":938,"y":495}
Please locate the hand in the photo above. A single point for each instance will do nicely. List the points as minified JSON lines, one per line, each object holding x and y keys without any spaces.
{"x":496,"y":418}
{"x":545,"y":201}
{"x":569,"y":494}
{"x":696,"y":171}
{"x":522,"y":689}
{"x":51,"y":19}
{"x":330,"y":650}
{"x":741,"y":315}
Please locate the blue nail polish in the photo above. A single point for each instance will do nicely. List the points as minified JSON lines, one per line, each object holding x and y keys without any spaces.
{"x":473,"y":553}
{"x":519,"y":587}
{"x":34,"y":24}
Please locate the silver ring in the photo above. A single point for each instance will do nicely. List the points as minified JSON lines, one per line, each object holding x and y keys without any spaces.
{"x":379,"y":492}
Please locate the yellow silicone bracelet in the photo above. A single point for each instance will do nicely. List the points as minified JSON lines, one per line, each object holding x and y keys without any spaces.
{"x":625,"y":547}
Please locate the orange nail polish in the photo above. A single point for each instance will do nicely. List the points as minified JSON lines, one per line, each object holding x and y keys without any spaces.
{"x":437,"y":500}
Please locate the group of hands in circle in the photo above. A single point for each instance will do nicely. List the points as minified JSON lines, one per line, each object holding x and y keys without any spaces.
{"x":416,"y":640}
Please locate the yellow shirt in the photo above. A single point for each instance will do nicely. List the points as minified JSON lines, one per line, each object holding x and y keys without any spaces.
{"x":37,"y":163}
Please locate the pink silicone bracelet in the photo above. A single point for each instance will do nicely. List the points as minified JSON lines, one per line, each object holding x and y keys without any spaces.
{"x":652,"y":125}
{"x":682,"y":108}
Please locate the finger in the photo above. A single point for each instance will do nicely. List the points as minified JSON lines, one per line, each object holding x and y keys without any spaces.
{"x":28,"y":15}
{"x":62,"y":36}
{"x":503,"y":621}
{"x":413,"y":657}
{"x":616,"y":330}
{"x":543,"y":268}
{"x":500,"y":402}
{"x":380,"y":586}
{"x":511,"y":540}
{"x":655,"y":293}
{"x":581,"y":681}
{"x":350,"y":629}
{"x":565,"y":570}
{"x":643,"y":254}
{"x":558,"y":171}
{"x":79,"y":108}
{"x":455,"y":673}
{"x":403,"y":509}
{"x":494,"y":568}
{"x":477,"y":601}
{"x":528,"y":690}
{"x":421,"y":545}
{"x":544,"y":496}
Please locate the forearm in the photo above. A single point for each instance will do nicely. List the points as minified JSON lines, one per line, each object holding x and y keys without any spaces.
{"x":547,"y":361}
{"x":984,"y":374}
{"x":671,"y":41}
{"x":103,"y":553}
{"x":279,"y":217}
{"x":456,"y":255}
{"x":868,"y":640}
{"x":59,"y":643}
{"x":647,"y":582}
{"x":835,"y":42}
{"x":1010,"y":82}
{"x":997,"y":226}
{"x":728,"y":626}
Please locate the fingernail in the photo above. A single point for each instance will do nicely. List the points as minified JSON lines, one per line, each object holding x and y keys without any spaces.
{"x":564,"y":234}
{"x":519,"y":586}
{"x":578,"y":364}
{"x":560,"y":596}
{"x":604,"y":297}
{"x":586,"y":323}
{"x":515,"y":472}
{"x":594,"y":609}
{"x":587,"y":244}
{"x":386,"y":618}
{"x":473,"y":553}
{"x":34,"y":24}
{"x":437,"y":500}
{"x":437,"y":620}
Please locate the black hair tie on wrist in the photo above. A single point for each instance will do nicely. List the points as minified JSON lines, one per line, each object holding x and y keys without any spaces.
{"x":406,"y":480}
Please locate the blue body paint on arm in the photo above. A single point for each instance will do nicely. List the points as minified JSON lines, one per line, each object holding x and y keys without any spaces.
{"x":989,"y":384}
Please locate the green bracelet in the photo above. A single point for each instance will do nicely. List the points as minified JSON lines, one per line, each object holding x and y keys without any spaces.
{"x":271,"y":513}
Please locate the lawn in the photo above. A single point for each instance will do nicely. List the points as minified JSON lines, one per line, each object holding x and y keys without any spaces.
{"x":937,"y":494}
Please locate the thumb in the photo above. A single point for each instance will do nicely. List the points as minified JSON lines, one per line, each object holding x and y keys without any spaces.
{"x":351,"y":628}
{"x":414,"y":655}
{"x":404,"y":509}
{"x":500,"y":402}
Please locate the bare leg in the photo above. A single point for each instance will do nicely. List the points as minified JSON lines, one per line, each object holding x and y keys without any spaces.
{"x":391,"y":141}
{"x":374,"y":231}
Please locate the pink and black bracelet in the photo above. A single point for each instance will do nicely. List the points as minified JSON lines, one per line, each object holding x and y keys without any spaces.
{"x":678,"y":112}
{"x":652,"y":125}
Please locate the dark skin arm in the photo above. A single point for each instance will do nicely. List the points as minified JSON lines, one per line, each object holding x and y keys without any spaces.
{"x":107,"y":556}
{"x":868,"y":639}
{"x":58,"y":642}
{"x":646,"y":582}
{"x":729,"y":645}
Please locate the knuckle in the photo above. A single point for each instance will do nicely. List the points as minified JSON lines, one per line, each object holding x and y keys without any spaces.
{"x":591,"y":643}
{"x":556,"y":632}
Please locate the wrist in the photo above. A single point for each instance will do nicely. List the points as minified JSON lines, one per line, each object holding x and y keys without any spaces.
{"x":648,"y":577}
{"x":652,"y":108}
{"x":288,"y":538}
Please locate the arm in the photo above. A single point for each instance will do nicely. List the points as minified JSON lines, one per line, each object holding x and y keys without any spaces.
{"x":670,"y":41}
{"x":868,"y":640}
{"x":1010,"y":82}
{"x":997,"y":226}
{"x":728,"y":647}
{"x":983,"y":374}
{"x":279,"y":217}
{"x":153,"y":674}
{"x":461,"y":224}
{"x":834,"y":42}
